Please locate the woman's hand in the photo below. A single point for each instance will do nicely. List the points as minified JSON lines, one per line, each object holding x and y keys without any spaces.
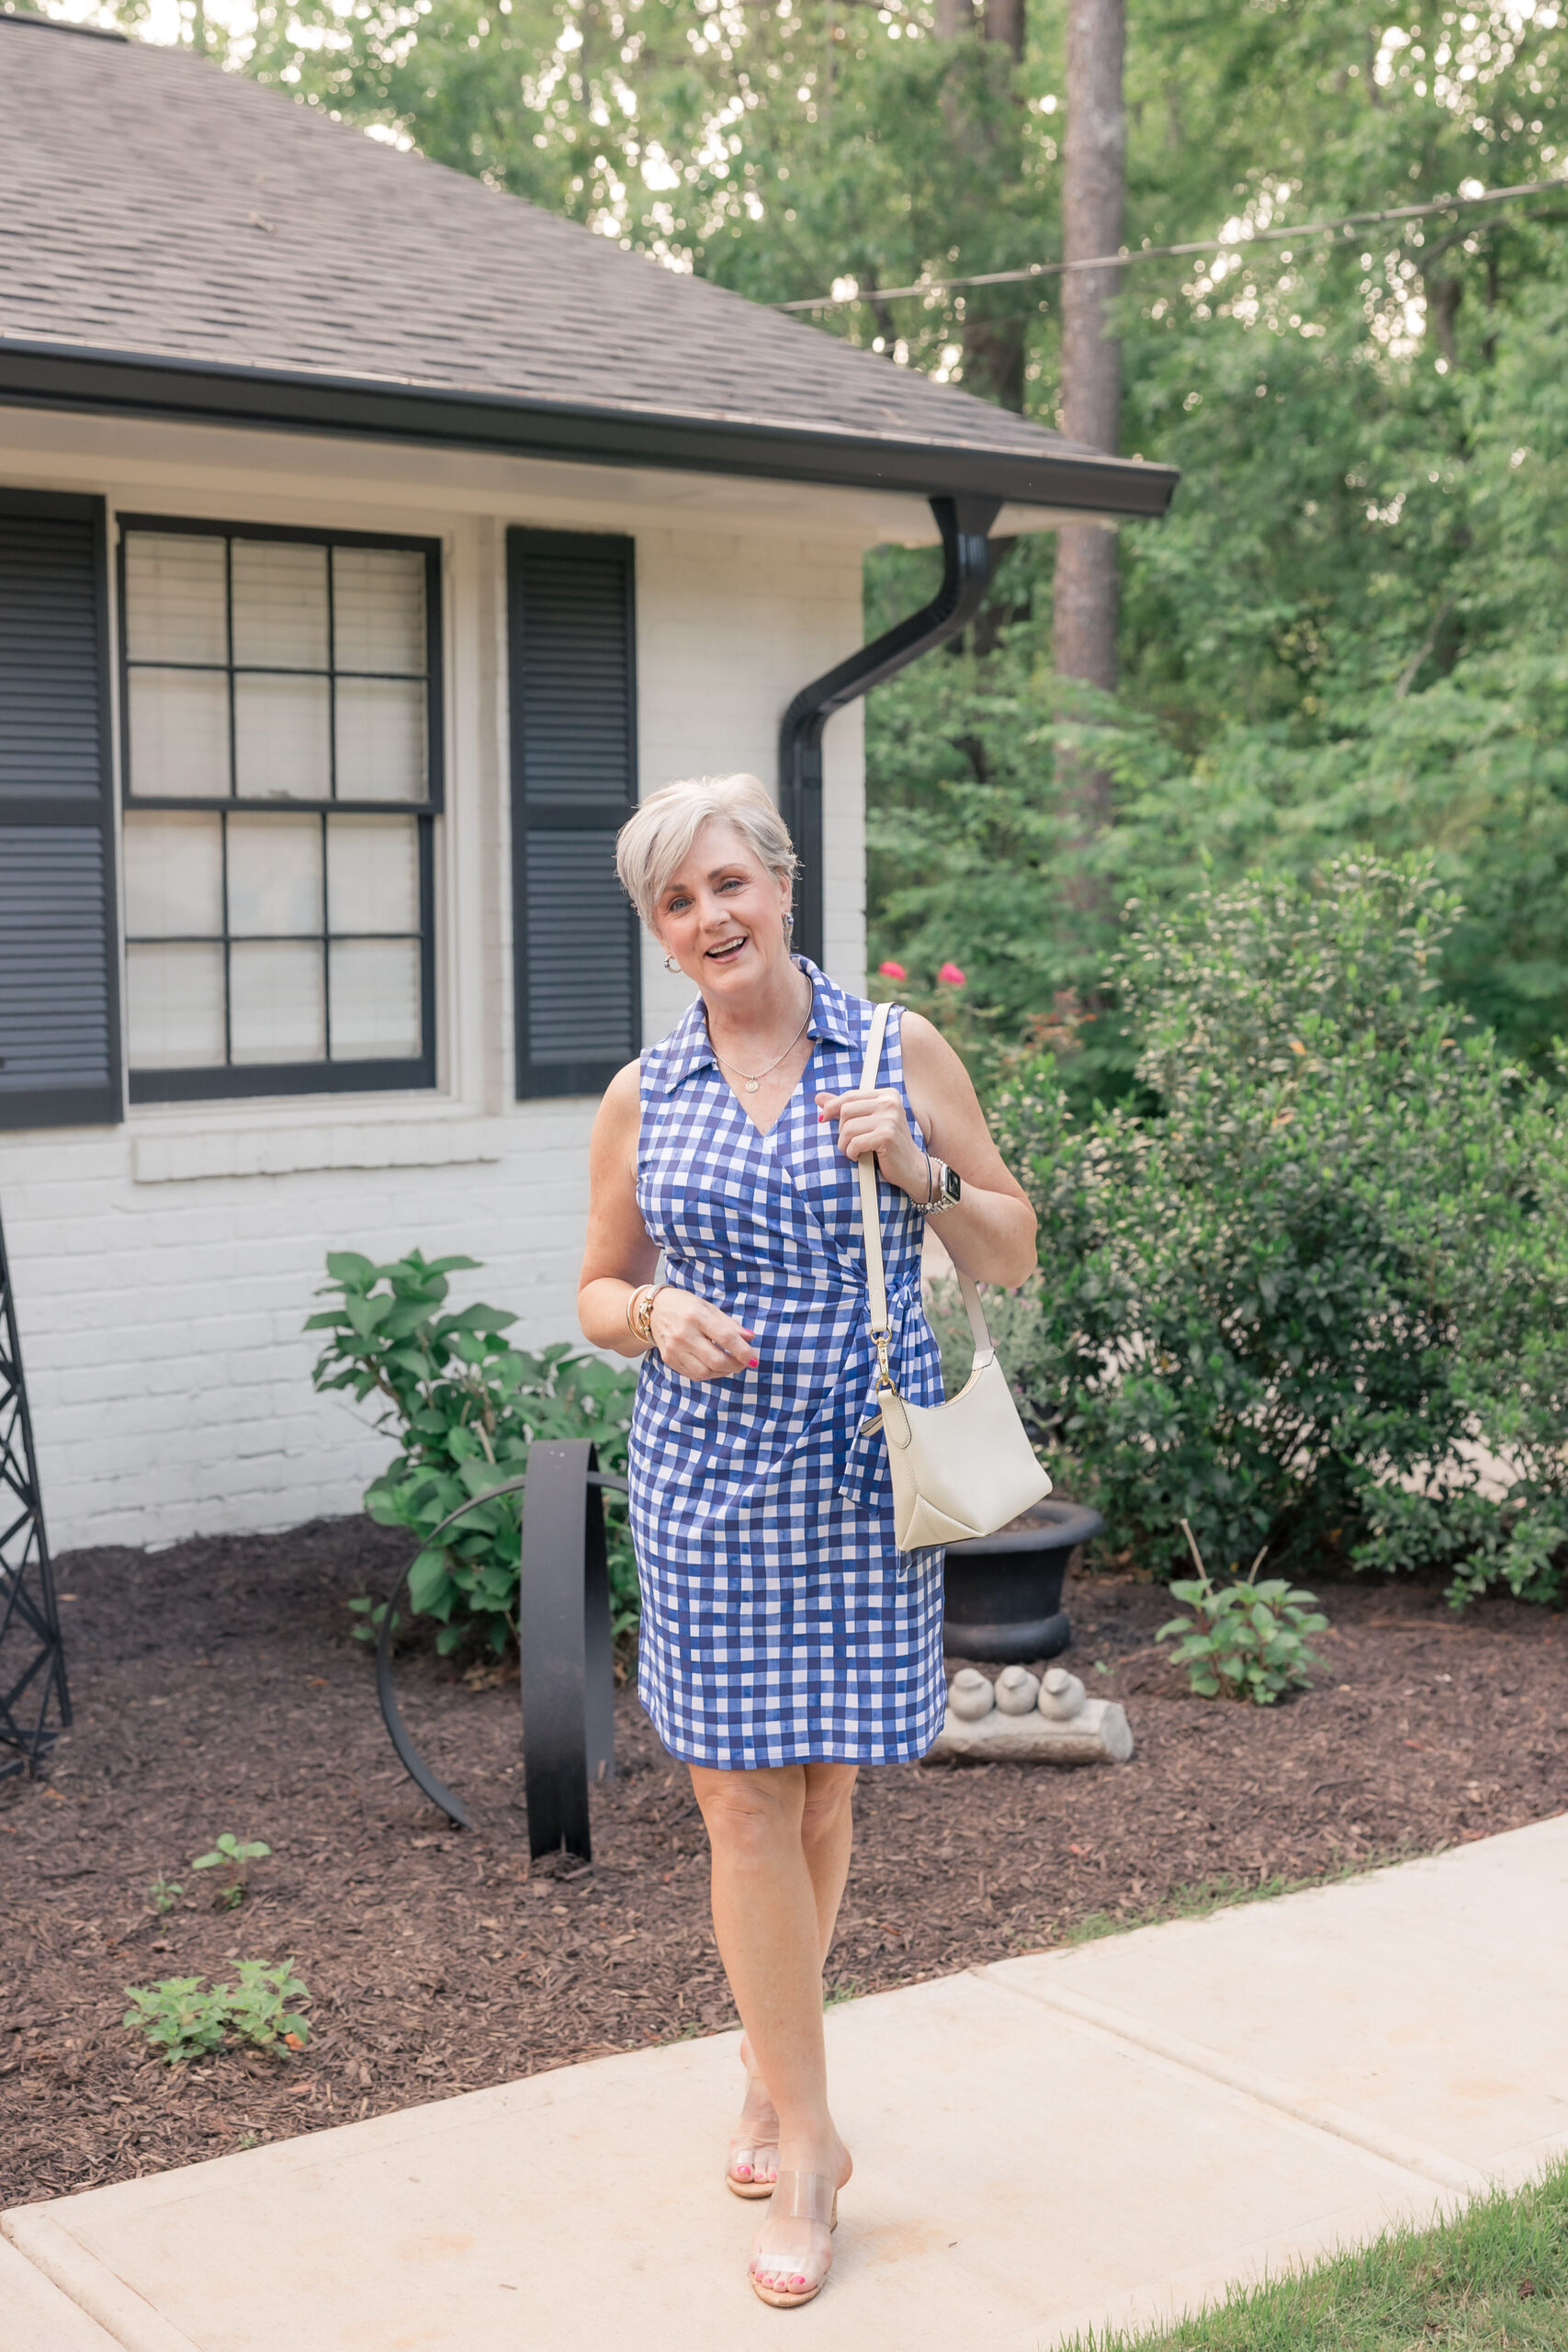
{"x":697,"y":1340}
{"x":874,"y":1120}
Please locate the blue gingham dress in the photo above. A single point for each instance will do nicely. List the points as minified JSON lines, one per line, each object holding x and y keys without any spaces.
{"x":780,"y":1623}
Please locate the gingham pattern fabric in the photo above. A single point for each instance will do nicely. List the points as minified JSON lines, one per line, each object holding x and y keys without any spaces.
{"x":780,"y":1623}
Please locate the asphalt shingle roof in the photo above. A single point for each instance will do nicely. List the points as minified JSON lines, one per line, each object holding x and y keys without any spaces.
{"x":176,"y":238}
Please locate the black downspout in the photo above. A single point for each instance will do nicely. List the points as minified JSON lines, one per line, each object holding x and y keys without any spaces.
{"x":966,"y":569}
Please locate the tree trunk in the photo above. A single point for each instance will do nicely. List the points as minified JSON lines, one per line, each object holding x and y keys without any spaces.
{"x":1084,"y":622}
{"x":994,"y":347}
{"x":1005,"y":23}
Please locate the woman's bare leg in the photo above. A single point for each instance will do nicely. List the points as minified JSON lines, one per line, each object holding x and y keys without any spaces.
{"x":826,"y":1835}
{"x":827,"y":1832}
{"x":769,"y":1926}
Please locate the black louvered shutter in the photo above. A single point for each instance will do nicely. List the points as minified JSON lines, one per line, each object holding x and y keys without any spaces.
{"x":59,"y":997}
{"x":573,"y":687}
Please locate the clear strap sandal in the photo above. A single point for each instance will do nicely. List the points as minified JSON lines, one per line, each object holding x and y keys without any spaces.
{"x":797,"y":2196}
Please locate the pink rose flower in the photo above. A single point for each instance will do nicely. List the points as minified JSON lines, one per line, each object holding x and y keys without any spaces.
{"x":892,"y":971}
{"x":953,"y":978}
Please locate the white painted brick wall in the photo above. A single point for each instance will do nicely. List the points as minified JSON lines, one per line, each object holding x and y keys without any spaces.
{"x":164,"y":1268}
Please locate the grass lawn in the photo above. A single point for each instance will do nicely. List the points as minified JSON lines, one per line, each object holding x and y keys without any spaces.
{"x":1495,"y":2276}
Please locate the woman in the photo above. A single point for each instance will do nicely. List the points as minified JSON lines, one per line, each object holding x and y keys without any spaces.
{"x":785,"y":1641}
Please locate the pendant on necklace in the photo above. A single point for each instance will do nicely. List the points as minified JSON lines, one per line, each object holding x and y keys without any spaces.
{"x":752,"y":1084}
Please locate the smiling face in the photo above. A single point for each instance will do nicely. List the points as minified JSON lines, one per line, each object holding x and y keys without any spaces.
{"x":721,"y":913}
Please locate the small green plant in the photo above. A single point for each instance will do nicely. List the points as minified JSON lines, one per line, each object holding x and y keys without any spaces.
{"x":258,"y":2006}
{"x":179,"y":2022}
{"x":1244,"y":1640}
{"x":175,"y":2018}
{"x":239,"y":1853}
{"x":163,"y":1894}
{"x":464,"y":1405}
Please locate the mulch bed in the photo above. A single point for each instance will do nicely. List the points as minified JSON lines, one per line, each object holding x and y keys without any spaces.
{"x":218,"y":1688}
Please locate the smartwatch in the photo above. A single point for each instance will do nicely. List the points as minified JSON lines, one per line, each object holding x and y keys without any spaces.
{"x":947,"y":1189}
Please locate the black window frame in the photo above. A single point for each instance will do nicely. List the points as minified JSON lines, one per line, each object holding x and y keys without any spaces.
{"x":100,"y":1104}
{"x":555,"y":1080}
{"x":249,"y":1080}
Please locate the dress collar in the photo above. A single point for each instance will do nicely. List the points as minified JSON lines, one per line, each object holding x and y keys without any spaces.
{"x":688,"y":1047}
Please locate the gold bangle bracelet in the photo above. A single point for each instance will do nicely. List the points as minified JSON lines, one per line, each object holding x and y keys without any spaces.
{"x":633,"y":1307}
{"x":642,"y":1321}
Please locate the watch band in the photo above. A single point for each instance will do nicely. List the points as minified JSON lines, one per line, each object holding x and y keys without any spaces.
{"x":946,"y":1188}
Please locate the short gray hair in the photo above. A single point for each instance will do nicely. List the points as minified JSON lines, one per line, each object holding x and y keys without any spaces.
{"x":650,"y":845}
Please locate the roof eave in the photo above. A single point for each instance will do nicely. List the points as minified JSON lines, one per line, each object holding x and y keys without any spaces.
{"x":126,"y":383}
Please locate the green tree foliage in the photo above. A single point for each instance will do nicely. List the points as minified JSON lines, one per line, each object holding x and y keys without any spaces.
{"x":1318,"y":1298}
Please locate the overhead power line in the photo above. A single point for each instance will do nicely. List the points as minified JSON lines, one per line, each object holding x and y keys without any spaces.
{"x":1169,"y":253}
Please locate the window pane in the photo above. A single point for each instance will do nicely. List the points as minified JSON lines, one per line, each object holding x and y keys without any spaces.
{"x":280,"y":739}
{"x":175,"y":599}
{"x":275,"y":876}
{"x":174,"y":875}
{"x":280,"y":604}
{"x":277,"y":1009}
{"x":380,"y":740}
{"x":378,"y":609}
{"x":373,"y":874}
{"x":179,"y":733}
{"x":375,"y":1000}
{"x":174,"y":1002}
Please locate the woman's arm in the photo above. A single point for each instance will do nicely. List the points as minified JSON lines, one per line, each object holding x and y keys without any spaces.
{"x":989,"y":1231}
{"x":693,"y":1337}
{"x":619,"y":1256}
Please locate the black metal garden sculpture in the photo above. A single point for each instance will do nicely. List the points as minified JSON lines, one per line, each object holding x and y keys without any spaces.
{"x":34,"y":1702}
{"x":563,"y":1625}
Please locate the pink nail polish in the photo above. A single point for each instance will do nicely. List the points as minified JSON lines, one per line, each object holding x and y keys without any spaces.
{"x":755,"y":1361}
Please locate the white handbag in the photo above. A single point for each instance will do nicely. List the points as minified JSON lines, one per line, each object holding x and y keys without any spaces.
{"x":960,"y":1469}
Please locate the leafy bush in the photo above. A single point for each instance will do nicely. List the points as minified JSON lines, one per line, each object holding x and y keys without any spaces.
{"x":1244,"y":1640}
{"x":465,"y":1406}
{"x":1311,"y":1291}
{"x":179,"y":2022}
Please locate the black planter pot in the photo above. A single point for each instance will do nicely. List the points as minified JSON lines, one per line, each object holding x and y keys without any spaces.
{"x":1004,"y":1591}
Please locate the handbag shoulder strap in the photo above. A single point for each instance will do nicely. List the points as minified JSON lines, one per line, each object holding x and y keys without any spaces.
{"x":871,"y":1222}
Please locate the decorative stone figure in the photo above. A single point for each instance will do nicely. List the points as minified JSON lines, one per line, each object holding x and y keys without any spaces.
{"x":1017,"y":1689}
{"x":970,"y":1695}
{"x":1021,"y":1720}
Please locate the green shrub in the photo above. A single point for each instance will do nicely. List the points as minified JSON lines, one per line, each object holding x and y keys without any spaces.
{"x":1310,"y":1289}
{"x":465,"y":1406}
{"x":1244,"y":1640}
{"x":178,"y":2020}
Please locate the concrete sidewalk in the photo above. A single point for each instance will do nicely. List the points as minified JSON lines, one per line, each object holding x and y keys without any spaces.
{"x":1097,"y":2135}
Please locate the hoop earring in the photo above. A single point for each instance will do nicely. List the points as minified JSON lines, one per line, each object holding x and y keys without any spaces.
{"x":671,"y":964}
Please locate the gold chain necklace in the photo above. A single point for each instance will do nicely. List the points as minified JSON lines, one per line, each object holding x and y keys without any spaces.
{"x":754,"y":1077}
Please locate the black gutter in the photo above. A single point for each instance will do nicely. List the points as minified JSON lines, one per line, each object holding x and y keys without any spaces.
{"x":964,"y":522}
{"x":52,"y":376}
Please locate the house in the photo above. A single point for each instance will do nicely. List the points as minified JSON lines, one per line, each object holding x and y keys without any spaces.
{"x":368,"y":539}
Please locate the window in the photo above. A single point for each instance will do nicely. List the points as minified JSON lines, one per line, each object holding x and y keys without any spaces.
{"x":282,"y":775}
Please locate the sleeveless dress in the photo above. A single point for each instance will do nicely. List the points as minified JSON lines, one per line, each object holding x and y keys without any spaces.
{"x":780,"y":1623}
